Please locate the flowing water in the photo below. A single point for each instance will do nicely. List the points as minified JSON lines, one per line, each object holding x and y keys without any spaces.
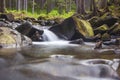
{"x":49,"y":36}
{"x":59,"y":60}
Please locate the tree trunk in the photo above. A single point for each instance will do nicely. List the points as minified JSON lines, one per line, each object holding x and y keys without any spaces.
{"x":81,"y":9}
{"x":33,"y":6}
{"x":68,"y":5}
{"x":102,"y":4}
{"x":19,"y":5}
{"x":91,"y":5}
{"x":94,"y":7}
{"x":25,"y":5}
{"x":49,"y":5}
{"x":2,"y":6}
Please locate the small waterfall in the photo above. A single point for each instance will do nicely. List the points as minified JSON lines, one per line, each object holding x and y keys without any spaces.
{"x":49,"y":36}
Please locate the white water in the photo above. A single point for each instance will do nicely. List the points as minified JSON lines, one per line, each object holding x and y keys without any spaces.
{"x":49,"y":36}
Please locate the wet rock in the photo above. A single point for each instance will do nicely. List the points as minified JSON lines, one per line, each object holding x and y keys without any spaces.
{"x":106,"y":37}
{"x":46,"y":22}
{"x":2,"y":24}
{"x":8,"y":17}
{"x":30,"y":31}
{"x":117,"y":51}
{"x":65,"y":30}
{"x":98,"y":45}
{"x":50,"y":23}
{"x":24,"y":28}
{"x":93,"y":39}
{"x":102,"y":29}
{"x":41,"y":18}
{"x":94,"y":20}
{"x":112,"y":63}
{"x":115,"y":29}
{"x":10,"y":38}
{"x":112,"y":42}
{"x":42,"y":22}
{"x":108,"y":20}
{"x":78,"y":41}
{"x":29,"y":19}
{"x":37,"y":36}
{"x":117,"y":42}
{"x":58,"y":20}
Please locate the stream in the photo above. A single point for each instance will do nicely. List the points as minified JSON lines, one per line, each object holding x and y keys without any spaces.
{"x":59,"y":60}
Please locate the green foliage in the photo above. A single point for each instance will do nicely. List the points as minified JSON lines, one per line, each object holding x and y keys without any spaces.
{"x":53,"y":14}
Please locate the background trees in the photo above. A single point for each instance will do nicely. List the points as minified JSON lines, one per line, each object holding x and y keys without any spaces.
{"x":38,"y":6}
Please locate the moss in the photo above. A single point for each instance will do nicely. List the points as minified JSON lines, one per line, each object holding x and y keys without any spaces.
{"x":115,"y":29}
{"x":84,"y":27}
{"x":52,"y":15}
{"x":106,"y":37}
{"x":105,"y":15}
{"x":102,"y":28}
{"x":7,"y":39}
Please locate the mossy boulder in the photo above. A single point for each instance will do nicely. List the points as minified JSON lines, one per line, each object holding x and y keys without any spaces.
{"x":10,"y":38}
{"x":73,"y":28}
{"x":84,"y":27}
{"x":106,"y":37}
{"x":115,"y":29}
{"x":94,"y":20}
{"x":6,"y":39}
{"x":102,"y":29}
{"x":107,"y":19}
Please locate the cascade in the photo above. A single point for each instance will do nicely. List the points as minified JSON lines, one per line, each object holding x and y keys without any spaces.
{"x":49,"y":36}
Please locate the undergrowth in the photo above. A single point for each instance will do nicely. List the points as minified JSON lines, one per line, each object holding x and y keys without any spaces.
{"x":53,"y":14}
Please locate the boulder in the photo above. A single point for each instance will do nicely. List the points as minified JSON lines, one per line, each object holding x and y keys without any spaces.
{"x":65,"y":30}
{"x":73,"y":28}
{"x":58,"y":20}
{"x":2,"y":24}
{"x":8,"y":17}
{"x":29,"y":19}
{"x":84,"y":27}
{"x":106,"y":37}
{"x":98,"y":45}
{"x":102,"y":29}
{"x":24,"y":28}
{"x":117,"y":41}
{"x":99,"y":21}
{"x":115,"y":29}
{"x":12,"y":39}
{"x":29,"y":30}
{"x":78,"y":41}
{"x":112,"y":42}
